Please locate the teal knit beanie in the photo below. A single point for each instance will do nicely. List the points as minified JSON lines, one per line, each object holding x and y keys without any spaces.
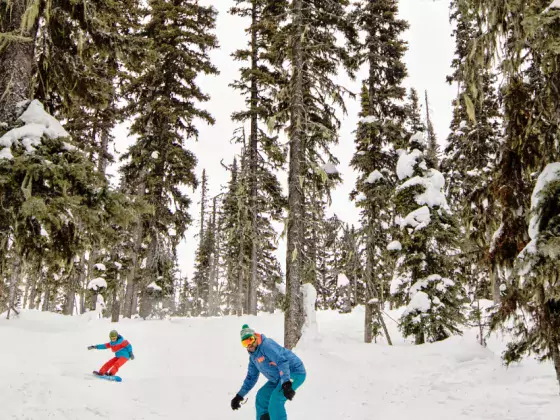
{"x":246,"y":332}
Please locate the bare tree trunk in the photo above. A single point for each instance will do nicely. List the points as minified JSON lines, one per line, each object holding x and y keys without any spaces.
{"x":14,"y":279}
{"x":368,"y":320}
{"x":240,"y":282}
{"x":294,"y":316}
{"x":46,"y":297}
{"x":212,"y":284}
{"x":73,"y":282}
{"x":130,"y":299}
{"x":495,"y":278}
{"x":33,"y":288}
{"x":16,"y":59}
{"x":253,"y":167}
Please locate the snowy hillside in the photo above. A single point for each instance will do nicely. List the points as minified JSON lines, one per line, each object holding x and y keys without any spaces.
{"x":191,"y":368}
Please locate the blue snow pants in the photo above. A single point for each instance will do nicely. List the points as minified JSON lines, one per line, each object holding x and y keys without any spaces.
{"x":271,"y":399}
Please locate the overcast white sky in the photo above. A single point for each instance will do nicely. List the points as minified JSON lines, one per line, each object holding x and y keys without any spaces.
{"x":428,"y":59}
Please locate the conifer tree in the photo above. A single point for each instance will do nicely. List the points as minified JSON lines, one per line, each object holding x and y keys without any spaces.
{"x":313,"y":56}
{"x":165,"y":99}
{"x":432,"y":159}
{"x":530,"y":70}
{"x":258,"y":82}
{"x":470,"y":157}
{"x":424,"y":274}
{"x":380,"y":131}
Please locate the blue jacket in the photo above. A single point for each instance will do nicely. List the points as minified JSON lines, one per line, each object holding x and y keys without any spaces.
{"x":121,"y":347}
{"x":275,"y":362}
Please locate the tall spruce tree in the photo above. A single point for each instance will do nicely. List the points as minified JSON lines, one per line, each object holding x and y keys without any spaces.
{"x":165,"y":99}
{"x":380,"y":131}
{"x":313,"y":57}
{"x":470,"y":158}
{"x":258,"y":81}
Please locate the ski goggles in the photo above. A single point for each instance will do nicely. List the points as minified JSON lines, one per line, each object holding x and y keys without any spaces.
{"x":248,"y":341}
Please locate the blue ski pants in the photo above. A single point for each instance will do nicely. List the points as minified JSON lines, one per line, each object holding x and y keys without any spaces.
{"x":271,"y":399}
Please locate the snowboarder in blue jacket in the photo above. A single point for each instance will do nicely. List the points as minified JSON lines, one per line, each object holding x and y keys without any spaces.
{"x":283,"y":369}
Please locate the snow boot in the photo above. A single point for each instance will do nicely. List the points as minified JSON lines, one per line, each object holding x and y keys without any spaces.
{"x":265,"y":417}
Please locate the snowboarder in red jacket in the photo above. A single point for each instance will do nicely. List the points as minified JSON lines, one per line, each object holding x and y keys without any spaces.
{"x":122,"y":349}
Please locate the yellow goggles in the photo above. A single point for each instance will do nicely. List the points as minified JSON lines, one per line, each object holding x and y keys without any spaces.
{"x":248,"y":341}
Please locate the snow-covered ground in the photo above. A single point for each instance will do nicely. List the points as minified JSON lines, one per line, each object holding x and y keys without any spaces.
{"x":191,"y":368}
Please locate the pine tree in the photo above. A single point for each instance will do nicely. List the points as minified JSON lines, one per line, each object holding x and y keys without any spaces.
{"x":470,"y":158}
{"x":432,"y":159}
{"x":380,"y":131}
{"x":258,"y":83}
{"x":52,"y":200}
{"x":424,"y":275}
{"x":165,"y":99}
{"x":313,"y":58}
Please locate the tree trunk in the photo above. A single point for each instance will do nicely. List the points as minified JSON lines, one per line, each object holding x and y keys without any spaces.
{"x":495,"y":277}
{"x":240,"y":282}
{"x":294,"y":316}
{"x":16,"y":60}
{"x":368,"y":321}
{"x":46,"y":296}
{"x":33,"y":288}
{"x":14,"y":279}
{"x":253,"y":167}
{"x":212,"y":286}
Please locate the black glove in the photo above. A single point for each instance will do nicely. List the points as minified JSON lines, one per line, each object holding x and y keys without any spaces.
{"x":131,"y":356}
{"x":91,"y":347}
{"x":236,"y":402}
{"x":288,"y":391}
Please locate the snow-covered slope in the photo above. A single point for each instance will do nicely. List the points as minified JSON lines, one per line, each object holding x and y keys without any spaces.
{"x":191,"y":368}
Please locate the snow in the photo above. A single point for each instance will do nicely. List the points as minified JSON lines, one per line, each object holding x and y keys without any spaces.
{"x":369,"y":119}
{"x":154,"y":286}
{"x":418,"y":219}
{"x":496,"y":236}
{"x":434,"y":184}
{"x":96,"y":283}
{"x":6,"y":153}
{"x":451,"y":380}
{"x":549,"y":174}
{"x":155,"y":155}
{"x":100,"y":267}
{"x":374,"y":177}
{"x":419,"y":302}
{"x":118,"y":265}
{"x":554,"y":5}
{"x":406,"y":163}
{"x":281,"y":287}
{"x":310,"y":332}
{"x":394,"y":246}
{"x":330,"y":168}
{"x":37,"y":124}
{"x":418,"y":137}
{"x":342,"y":280}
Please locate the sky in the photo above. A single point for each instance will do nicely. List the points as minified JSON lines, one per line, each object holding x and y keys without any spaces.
{"x":430,"y":52}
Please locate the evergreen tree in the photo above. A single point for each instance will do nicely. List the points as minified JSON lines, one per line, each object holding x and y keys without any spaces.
{"x":380,"y":131}
{"x":313,"y":57}
{"x":165,"y":97}
{"x":470,"y":158}
{"x":52,"y":198}
{"x":258,"y":82}
{"x":530,"y":70}
{"x":432,"y":159}
{"x":424,"y":275}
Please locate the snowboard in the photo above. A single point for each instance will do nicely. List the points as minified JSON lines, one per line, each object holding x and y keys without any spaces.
{"x":113,"y":378}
